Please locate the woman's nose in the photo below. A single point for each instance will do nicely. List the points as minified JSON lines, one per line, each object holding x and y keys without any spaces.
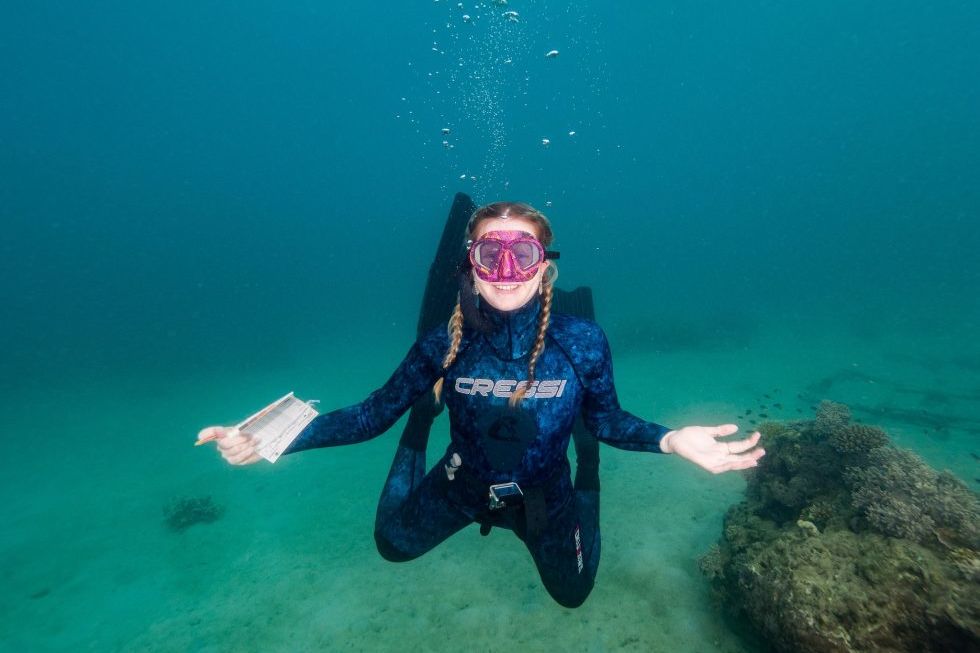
{"x":507,"y":265}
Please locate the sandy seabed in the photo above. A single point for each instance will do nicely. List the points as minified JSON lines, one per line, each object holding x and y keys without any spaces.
{"x":89,"y":565}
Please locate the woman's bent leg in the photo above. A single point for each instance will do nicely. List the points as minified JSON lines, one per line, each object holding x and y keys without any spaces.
{"x":414,"y":514}
{"x":404,"y":477}
{"x":567,"y":552}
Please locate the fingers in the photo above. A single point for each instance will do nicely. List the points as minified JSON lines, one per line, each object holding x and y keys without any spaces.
{"x":225,"y":435}
{"x":738,"y":446}
{"x":742,"y":461}
{"x":245,"y":457}
{"x":210,"y":433}
{"x":245,"y":444}
{"x":234,"y":446}
{"x":734,"y":465}
{"x":722,"y":430}
{"x":242,"y":454}
{"x":232,"y":437}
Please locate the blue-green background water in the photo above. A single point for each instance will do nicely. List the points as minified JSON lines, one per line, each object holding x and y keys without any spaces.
{"x":206,"y":204}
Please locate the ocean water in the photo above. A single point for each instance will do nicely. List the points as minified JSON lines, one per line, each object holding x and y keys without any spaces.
{"x":205,"y":205}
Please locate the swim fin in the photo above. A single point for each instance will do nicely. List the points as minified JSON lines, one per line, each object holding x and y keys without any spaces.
{"x":438,"y":300}
{"x":441,"y":286}
{"x":579,"y":302}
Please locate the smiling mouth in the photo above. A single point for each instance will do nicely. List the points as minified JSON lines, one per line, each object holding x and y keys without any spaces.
{"x":506,"y":287}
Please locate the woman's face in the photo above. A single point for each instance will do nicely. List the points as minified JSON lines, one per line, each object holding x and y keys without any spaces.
{"x":508,"y":296}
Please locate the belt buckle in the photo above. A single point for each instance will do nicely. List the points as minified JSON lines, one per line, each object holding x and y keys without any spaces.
{"x":503,"y":495}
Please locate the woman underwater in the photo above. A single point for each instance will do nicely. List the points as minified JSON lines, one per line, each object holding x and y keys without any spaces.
{"x":515,"y":377}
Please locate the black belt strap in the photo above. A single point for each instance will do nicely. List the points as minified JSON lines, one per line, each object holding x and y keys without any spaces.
{"x":535,"y":504}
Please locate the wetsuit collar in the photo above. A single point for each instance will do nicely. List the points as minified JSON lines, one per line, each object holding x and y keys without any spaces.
{"x":511,"y":333}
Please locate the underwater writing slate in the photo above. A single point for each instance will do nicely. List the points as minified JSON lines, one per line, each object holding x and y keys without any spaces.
{"x":278,"y":424}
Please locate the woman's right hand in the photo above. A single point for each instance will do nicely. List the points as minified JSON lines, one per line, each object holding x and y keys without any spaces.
{"x":234,"y":446}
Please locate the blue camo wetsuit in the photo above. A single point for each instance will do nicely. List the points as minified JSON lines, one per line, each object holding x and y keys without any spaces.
{"x":573,"y":375}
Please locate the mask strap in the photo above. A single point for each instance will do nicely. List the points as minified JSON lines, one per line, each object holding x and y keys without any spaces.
{"x":467,"y":299}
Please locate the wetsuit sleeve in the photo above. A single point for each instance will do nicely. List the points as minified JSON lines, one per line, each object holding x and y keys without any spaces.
{"x":415,"y":375}
{"x":601,"y":410}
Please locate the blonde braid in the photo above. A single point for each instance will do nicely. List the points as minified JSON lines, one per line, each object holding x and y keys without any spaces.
{"x":455,"y":329}
{"x":543,"y":319}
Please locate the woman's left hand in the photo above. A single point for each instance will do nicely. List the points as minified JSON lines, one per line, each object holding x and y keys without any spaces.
{"x":698,"y":444}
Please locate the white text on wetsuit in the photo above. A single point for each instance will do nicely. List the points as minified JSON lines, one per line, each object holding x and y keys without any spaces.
{"x":506,"y":387}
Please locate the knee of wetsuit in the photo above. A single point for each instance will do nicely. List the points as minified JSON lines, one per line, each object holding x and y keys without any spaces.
{"x":572,"y":598}
{"x":389,"y":551}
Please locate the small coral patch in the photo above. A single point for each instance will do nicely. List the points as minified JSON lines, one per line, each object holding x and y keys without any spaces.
{"x":183,"y":512}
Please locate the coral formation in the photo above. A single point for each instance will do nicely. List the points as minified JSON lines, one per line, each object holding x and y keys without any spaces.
{"x":831,"y":417}
{"x":820,"y":513}
{"x":808,"y":527}
{"x":711,"y":563}
{"x":899,"y":495}
{"x":847,"y":543}
{"x":857,"y":439}
{"x":183,"y":512}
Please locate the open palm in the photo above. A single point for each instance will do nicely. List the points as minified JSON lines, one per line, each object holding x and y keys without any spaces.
{"x":700,"y":445}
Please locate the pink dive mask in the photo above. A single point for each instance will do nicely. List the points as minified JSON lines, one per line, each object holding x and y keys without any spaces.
{"x":507,"y":256}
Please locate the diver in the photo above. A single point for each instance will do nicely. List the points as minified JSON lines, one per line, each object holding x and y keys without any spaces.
{"x":516,"y":377}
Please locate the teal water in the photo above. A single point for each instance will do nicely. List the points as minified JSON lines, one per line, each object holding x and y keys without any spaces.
{"x":205,"y":205}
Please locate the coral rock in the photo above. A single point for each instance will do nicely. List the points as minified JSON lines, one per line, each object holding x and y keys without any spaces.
{"x":183,"y":512}
{"x":857,"y":439}
{"x":896,"y":564}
